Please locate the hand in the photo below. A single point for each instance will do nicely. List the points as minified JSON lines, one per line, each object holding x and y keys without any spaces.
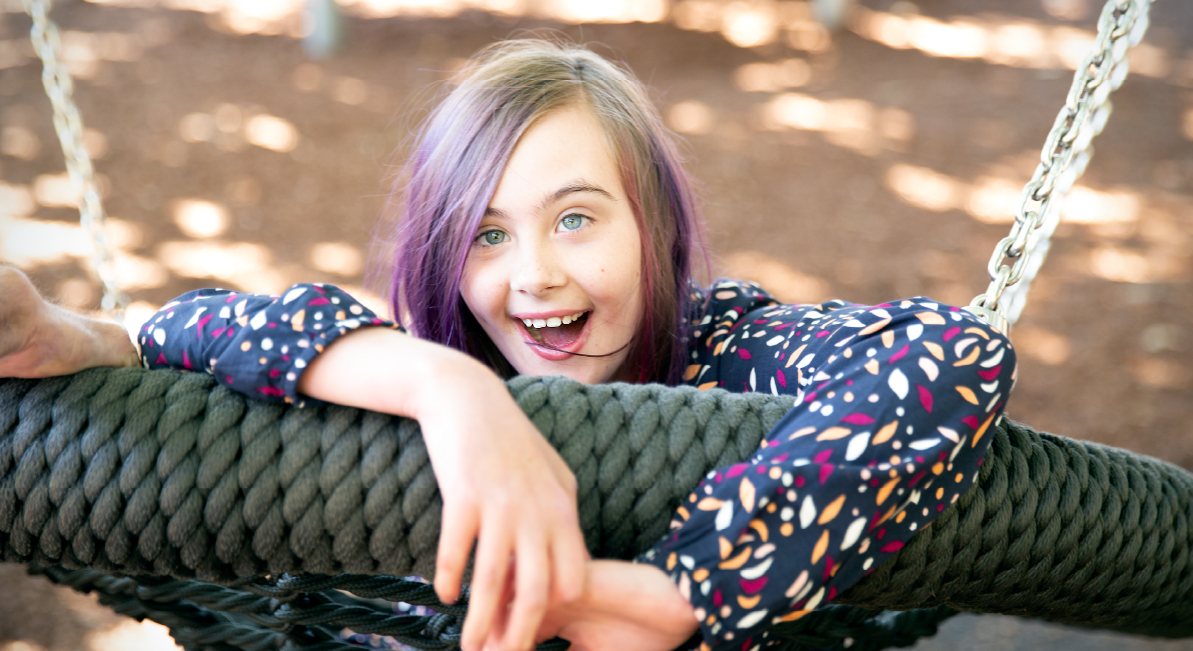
{"x":625,"y":607}
{"x":504,"y":486}
{"x":38,"y":339}
{"x":501,"y":482}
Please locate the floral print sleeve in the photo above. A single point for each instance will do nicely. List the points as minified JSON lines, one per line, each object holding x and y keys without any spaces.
{"x":256,"y":344}
{"x":892,"y":409}
{"x":893,"y":406}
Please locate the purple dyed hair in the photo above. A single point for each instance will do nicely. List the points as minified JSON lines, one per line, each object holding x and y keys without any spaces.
{"x":458,"y":159}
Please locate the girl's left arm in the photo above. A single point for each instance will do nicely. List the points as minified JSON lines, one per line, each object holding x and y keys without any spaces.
{"x":894,"y":405}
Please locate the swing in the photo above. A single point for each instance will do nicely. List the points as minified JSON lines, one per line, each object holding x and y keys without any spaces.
{"x":244,"y":525}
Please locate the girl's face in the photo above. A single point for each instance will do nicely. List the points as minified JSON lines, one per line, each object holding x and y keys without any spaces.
{"x":557,"y":259}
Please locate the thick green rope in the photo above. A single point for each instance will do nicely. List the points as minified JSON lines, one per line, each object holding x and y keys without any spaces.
{"x":158,"y":472}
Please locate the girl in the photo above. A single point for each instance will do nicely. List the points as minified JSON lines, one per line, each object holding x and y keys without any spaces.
{"x":550,"y":229}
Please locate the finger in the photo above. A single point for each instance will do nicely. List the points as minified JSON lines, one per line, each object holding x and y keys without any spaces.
{"x":488,"y":583}
{"x":500,"y":618}
{"x":552,"y":623}
{"x":559,"y":468}
{"x":569,"y":557}
{"x":456,"y":534}
{"x":532,"y":582}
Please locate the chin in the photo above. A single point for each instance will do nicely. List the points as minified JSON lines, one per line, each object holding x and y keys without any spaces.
{"x":585,"y":374}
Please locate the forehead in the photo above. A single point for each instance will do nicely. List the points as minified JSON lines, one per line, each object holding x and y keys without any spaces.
{"x":559,"y":148}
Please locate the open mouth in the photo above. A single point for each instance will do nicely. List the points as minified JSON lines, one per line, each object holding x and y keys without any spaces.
{"x":557,"y":332}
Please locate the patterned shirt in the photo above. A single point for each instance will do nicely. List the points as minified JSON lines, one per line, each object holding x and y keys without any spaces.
{"x":893,"y":404}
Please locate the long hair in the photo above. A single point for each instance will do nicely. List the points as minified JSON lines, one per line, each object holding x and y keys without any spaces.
{"x":459,"y":157}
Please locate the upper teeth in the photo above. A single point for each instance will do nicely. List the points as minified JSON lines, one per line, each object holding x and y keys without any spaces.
{"x":553,"y":322}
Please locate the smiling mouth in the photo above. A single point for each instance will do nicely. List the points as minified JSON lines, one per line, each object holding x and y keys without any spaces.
{"x":557,"y":332}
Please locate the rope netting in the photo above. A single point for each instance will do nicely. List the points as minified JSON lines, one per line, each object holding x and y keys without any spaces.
{"x":167,"y":477}
{"x":307,"y":612}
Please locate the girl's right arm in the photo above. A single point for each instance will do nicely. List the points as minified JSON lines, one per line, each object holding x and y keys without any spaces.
{"x":502,"y":484}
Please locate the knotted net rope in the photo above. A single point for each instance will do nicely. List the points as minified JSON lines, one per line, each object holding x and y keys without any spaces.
{"x":134,"y":472}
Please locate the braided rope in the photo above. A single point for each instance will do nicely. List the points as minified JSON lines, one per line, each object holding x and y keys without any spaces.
{"x":158,"y":472}
{"x":308,"y":611}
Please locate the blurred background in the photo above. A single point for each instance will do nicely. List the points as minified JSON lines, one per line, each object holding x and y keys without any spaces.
{"x":879,"y":160}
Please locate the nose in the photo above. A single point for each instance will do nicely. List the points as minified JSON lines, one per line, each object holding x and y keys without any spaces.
{"x":537,"y":269}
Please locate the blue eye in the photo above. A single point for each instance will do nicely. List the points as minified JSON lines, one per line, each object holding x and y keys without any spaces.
{"x":572,"y":222}
{"x":491,"y":238}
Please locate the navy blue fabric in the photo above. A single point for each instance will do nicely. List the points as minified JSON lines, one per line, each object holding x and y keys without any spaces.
{"x":892,"y":405}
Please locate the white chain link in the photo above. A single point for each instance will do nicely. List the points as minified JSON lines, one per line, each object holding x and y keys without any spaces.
{"x":69,"y":125}
{"x":1066,"y":154}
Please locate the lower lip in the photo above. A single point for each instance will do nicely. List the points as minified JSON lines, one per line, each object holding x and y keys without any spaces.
{"x":557,"y":355}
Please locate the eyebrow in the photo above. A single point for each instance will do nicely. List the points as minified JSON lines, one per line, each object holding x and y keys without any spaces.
{"x":572,"y":187}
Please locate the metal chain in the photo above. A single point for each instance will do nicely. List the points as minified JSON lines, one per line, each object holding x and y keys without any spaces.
{"x":1016,"y":259}
{"x":1066,"y":153}
{"x":69,"y":125}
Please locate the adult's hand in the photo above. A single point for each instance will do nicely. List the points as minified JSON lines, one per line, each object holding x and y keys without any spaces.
{"x":625,"y":607}
{"x":39,"y":339}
